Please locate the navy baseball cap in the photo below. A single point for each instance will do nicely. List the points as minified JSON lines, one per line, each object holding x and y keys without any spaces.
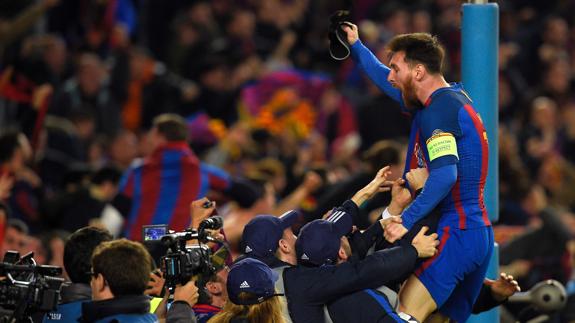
{"x":319,"y":241}
{"x":254,"y":277}
{"x":261,"y":235}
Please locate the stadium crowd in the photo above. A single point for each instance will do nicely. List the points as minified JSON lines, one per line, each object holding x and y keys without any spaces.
{"x":120,"y":113}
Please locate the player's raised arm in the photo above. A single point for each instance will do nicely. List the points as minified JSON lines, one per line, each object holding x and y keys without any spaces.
{"x":374,"y":69}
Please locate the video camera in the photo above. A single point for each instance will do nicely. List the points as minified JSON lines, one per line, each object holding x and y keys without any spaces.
{"x":27,"y":288}
{"x":181,"y":262}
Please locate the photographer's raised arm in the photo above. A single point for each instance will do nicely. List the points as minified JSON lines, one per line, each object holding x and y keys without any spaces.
{"x":200,"y":210}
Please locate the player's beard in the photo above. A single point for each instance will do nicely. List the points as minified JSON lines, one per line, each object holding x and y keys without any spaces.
{"x":408,"y":95}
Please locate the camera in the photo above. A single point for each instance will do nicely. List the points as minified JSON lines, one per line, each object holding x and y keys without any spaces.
{"x":182,"y":262}
{"x":27,"y":288}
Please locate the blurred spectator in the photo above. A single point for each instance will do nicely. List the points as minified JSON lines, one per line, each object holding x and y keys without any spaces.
{"x":11,"y":29}
{"x":539,"y":138}
{"x":88,"y":205}
{"x":160,"y":188}
{"x":15,"y":153}
{"x":88,"y":92}
{"x":15,"y":237}
{"x":123,"y":149}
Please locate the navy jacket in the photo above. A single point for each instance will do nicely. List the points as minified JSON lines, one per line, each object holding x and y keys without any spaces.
{"x":366,"y":306}
{"x":307,"y":289}
{"x":70,"y":308}
{"x":127,"y":309}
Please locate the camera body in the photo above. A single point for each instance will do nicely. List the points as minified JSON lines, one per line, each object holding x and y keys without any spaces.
{"x":181,"y":265}
{"x":27,"y":288}
{"x":182,"y":262}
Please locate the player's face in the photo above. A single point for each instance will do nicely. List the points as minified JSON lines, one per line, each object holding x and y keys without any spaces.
{"x":401,"y":78}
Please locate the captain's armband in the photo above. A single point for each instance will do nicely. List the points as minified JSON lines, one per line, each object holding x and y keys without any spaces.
{"x":442,"y":144}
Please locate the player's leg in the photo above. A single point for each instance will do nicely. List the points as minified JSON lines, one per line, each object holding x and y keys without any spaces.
{"x":460,"y":304}
{"x":415,"y":299}
{"x":435,"y":279}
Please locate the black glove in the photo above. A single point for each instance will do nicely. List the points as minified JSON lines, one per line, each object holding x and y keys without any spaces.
{"x":338,"y":46}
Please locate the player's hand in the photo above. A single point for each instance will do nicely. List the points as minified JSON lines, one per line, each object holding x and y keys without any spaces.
{"x":187,"y":293}
{"x":351,"y":31}
{"x":199,"y":212}
{"x":504,"y":287}
{"x":426,"y":245}
{"x":417,"y":178}
{"x":155,"y":284}
{"x":394,"y":232}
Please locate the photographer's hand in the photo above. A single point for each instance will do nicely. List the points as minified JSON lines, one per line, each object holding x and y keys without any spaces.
{"x":156,"y":284}
{"x":200,"y":210}
{"x":188,"y":293}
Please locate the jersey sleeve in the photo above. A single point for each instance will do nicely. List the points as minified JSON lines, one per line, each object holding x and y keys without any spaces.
{"x":441,"y":131}
{"x":437,"y":186}
{"x":375,"y":70}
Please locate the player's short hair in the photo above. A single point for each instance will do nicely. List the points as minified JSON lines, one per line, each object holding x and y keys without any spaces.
{"x":172,"y":126}
{"x":419,"y":48}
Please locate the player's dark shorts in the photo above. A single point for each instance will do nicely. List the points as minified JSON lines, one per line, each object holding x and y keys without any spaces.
{"x":454,"y":276}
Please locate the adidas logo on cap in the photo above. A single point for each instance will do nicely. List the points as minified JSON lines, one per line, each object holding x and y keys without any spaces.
{"x":244,"y":285}
{"x":248,"y":249}
{"x":304,"y":257}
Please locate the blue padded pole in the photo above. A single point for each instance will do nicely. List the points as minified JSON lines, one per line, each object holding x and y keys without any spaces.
{"x":479,"y":71}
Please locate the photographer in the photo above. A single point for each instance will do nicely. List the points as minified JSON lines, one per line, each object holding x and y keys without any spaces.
{"x":77,"y":254}
{"x":120,"y":273}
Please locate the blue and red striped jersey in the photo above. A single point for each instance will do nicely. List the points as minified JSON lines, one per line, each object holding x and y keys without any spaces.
{"x":162,"y":186}
{"x":449,"y":111}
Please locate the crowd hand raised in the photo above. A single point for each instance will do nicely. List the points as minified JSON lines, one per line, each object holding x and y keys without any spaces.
{"x":6,"y":183}
{"x":426,"y":245}
{"x":187,"y":293}
{"x":312,"y":181}
{"x":400,"y":197}
{"x":378,"y":184}
{"x":351,"y":31}
{"x":198,"y":211}
{"x":417,"y":178}
{"x":155,"y":284}
{"x":504,"y":287}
